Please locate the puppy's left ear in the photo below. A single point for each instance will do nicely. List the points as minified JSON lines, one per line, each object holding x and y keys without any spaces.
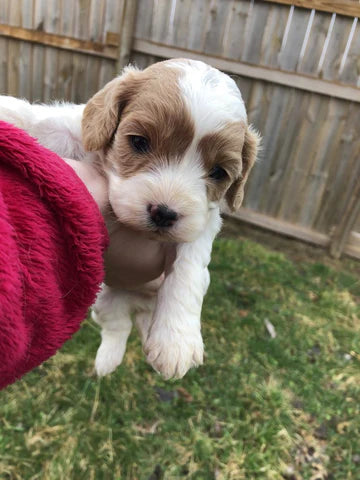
{"x":102,"y":113}
{"x":235,"y":194}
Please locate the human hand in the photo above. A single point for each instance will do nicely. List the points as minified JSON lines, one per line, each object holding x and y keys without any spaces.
{"x":93,"y":180}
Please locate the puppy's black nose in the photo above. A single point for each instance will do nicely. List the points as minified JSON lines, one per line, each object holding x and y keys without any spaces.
{"x":162,"y":215}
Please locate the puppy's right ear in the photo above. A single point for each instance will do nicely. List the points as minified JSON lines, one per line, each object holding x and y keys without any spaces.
{"x":102,"y":112}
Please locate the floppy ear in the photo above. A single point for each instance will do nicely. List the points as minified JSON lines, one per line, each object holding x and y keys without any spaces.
{"x":102,"y":112}
{"x":235,"y":194}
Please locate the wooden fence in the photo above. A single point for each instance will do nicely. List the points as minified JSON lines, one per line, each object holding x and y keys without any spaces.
{"x":296,"y":62}
{"x":62,"y":49}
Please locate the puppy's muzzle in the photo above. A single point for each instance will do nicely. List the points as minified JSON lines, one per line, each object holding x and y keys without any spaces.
{"x":162,"y":216}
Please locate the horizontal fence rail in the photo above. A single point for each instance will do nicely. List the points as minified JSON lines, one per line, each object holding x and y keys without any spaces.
{"x":280,"y":77}
{"x":109,"y":49}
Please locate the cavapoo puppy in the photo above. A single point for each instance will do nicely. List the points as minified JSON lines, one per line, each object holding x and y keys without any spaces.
{"x":172,"y":141}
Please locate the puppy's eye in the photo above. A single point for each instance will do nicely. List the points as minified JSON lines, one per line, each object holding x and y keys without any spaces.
{"x":218,"y":173}
{"x":139,"y":144}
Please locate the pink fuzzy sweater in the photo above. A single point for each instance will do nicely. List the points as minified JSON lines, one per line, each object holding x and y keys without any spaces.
{"x":52,"y":240}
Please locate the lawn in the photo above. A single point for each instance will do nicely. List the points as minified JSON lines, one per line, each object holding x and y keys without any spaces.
{"x":260,"y":407}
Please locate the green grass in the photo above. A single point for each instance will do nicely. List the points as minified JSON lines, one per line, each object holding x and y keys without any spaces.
{"x":260,"y":408}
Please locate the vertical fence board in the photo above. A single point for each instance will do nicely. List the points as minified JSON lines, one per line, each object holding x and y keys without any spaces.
{"x":144,"y":19}
{"x":310,"y":182}
{"x":160,"y":20}
{"x":238,"y":15}
{"x":197,"y":24}
{"x":96,"y":21}
{"x":65,"y":58}
{"x":258,"y":105}
{"x":51,"y":24}
{"x":289,"y":54}
{"x":292,"y":167}
{"x":351,"y":71}
{"x":112,"y":20}
{"x":215,"y":29}
{"x":344,"y":167}
{"x":254,"y":29}
{"x":314,"y":187}
{"x":337,"y":44}
{"x":25,"y":59}
{"x":38,"y":53}
{"x":357,"y":225}
{"x":82,"y":19}
{"x":4,"y":48}
{"x":273,"y":35}
{"x":312,"y":54}
{"x":296,"y":199}
{"x":178,"y":30}
{"x":273,"y":134}
{"x":270,"y":128}
{"x":14,"y":19}
{"x":282,"y":150}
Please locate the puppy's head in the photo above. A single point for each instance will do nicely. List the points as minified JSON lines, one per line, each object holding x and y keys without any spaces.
{"x":175,"y":142}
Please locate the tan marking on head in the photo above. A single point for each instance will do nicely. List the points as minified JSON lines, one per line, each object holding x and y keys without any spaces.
{"x":233,"y":148}
{"x":146,"y":103}
{"x":101,"y":113}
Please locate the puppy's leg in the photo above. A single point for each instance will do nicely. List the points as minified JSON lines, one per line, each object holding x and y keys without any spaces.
{"x":174,"y":343}
{"x":143,"y":321}
{"x":112,"y":312}
{"x":145,"y":305}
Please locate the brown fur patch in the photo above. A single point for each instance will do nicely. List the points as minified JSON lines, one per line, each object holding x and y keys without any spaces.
{"x":151,"y":106}
{"x":223,"y":148}
{"x":234,"y":149}
{"x":101,"y":113}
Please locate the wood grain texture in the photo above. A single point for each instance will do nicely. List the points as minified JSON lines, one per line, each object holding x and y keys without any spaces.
{"x":280,"y":226}
{"x":273,"y":35}
{"x":350,"y":8}
{"x":254,"y":30}
{"x":233,"y":45}
{"x":309,"y":63}
{"x":144,"y":19}
{"x":59,"y":41}
{"x":254,"y":71}
{"x":198,"y":19}
{"x":128,"y":14}
{"x":349,"y":217}
{"x":351,"y":71}
{"x":352,"y":248}
{"x":13,"y":54}
{"x":38,"y":54}
{"x":290,"y":51}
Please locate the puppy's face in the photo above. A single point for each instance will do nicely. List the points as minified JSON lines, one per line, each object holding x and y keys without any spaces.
{"x":176,"y":141}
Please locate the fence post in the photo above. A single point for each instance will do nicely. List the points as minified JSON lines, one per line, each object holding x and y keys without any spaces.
{"x":343,"y":229}
{"x":126,"y":34}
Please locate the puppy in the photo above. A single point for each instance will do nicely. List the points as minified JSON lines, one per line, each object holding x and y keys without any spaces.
{"x":172,"y":141}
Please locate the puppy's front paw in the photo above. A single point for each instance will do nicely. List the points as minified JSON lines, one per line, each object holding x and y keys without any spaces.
{"x":109,"y":355}
{"x":172,"y":353}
